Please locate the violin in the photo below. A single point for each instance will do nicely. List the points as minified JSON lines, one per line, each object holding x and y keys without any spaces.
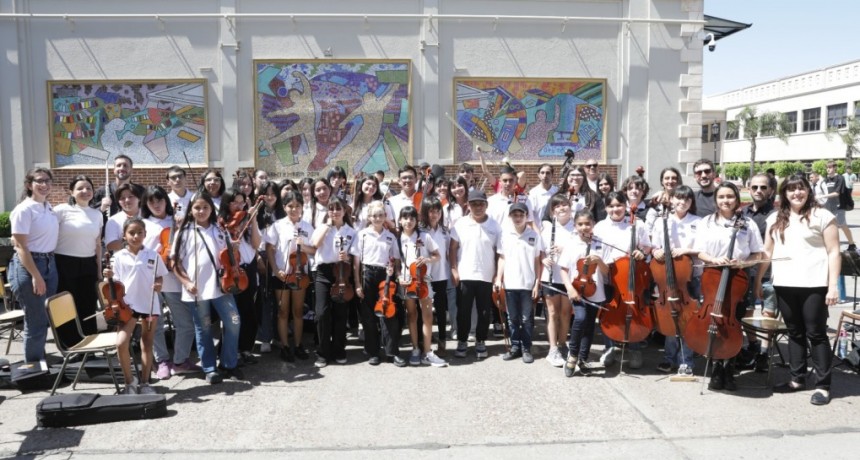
{"x":417,"y":288}
{"x":626,"y":319}
{"x":713,"y":331}
{"x":297,"y":278}
{"x":385,"y":306}
{"x":234,"y":280}
{"x":112,"y":294}
{"x":584,"y":282}
{"x":499,"y":300}
{"x":166,"y":239}
{"x":418,"y":196}
{"x":672,"y":275}
{"x":342,"y":290}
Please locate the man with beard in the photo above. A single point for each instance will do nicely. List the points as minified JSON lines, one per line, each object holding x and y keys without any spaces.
{"x":123,"y":168}
{"x":704,"y":173}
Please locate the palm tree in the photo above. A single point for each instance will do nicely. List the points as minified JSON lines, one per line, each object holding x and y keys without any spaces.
{"x":764,"y":124}
{"x":850,"y":136}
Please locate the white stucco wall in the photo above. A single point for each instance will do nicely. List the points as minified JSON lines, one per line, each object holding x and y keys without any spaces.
{"x":653,"y":70}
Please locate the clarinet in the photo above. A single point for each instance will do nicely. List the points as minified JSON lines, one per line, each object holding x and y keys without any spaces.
{"x":552,"y":251}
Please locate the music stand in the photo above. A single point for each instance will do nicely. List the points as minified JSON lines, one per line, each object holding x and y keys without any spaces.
{"x":851,"y":267}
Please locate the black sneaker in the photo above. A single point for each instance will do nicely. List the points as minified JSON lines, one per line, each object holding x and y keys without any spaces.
{"x":287,"y":355}
{"x":820,"y":397}
{"x":373,"y":360}
{"x":214,"y":378}
{"x":398,"y":361}
{"x":570,"y":366}
{"x":248,"y":358}
{"x":729,"y":379}
{"x":761,"y":363}
{"x":717,"y":378}
{"x":665,"y":367}
{"x":301,"y":353}
{"x":234,"y":373}
{"x":320,"y":362}
{"x":584,"y":368}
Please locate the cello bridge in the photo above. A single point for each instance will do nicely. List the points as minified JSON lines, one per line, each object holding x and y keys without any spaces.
{"x":717,"y":315}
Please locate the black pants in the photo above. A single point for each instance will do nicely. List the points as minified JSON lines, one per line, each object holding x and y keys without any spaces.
{"x":480,"y":292}
{"x":582,"y":331}
{"x":79,"y":276}
{"x":440,"y":304}
{"x":389,"y":329}
{"x":247,"y":310}
{"x":330,"y":316}
{"x":805,"y":314}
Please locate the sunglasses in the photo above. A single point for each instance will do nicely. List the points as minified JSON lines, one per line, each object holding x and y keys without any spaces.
{"x":703,"y":171}
{"x":758,"y":187}
{"x":590,"y":166}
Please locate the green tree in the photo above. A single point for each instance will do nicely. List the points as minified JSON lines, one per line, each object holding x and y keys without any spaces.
{"x":850,"y":136}
{"x":756,"y":124}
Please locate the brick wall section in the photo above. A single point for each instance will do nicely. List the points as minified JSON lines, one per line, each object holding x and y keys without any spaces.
{"x":150,"y":176}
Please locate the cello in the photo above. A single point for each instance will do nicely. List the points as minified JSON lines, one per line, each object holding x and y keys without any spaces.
{"x":626,"y":319}
{"x":713,"y":331}
{"x":342,"y":290}
{"x":673,"y":305}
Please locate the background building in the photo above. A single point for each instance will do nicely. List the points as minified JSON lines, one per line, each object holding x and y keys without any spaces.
{"x":646,"y":53}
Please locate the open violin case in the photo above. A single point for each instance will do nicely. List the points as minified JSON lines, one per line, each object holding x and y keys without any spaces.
{"x":88,"y":408}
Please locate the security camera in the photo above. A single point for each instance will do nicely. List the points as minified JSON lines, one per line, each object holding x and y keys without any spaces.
{"x":712,"y":42}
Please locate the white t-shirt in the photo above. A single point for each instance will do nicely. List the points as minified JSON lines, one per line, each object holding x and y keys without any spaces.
{"x":714,"y":237}
{"x":476,"y":254}
{"x":453,"y":214}
{"x":442,"y":237}
{"x":539,"y":199}
{"x":519,"y":251}
{"x":193,"y":255}
{"x":113,"y":231}
{"x":328,"y":251}
{"x":282,"y":236}
{"x":564,"y":235}
{"x":576,"y":250}
{"x":618,"y":234}
{"x":361,"y":222}
{"x":180,"y":203}
{"x":374,"y":248}
{"x":682,"y":234}
{"x":498,"y":207}
{"x":808,"y":264}
{"x":399,"y":202}
{"x":38,"y":222}
{"x":409,"y":246}
{"x":137,"y":273}
{"x":80,"y":230}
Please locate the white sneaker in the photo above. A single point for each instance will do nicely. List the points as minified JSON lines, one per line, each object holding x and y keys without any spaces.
{"x":130,"y":390}
{"x":471,"y":337}
{"x":608,"y":357}
{"x":554,"y":357}
{"x":635,"y":359}
{"x":433,"y":360}
{"x":265,"y":347}
{"x":146,"y":389}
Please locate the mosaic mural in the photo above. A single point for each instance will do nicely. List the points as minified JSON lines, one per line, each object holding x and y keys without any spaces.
{"x":311,"y":115}
{"x":530,"y":119}
{"x":152,"y":122}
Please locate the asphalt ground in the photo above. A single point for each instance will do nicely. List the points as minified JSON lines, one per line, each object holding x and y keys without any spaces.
{"x":471,"y":409}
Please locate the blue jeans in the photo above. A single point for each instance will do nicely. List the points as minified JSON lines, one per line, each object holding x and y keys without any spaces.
{"x":229,"y":314}
{"x":184,"y":329}
{"x":582,"y":331}
{"x":35,"y":313}
{"x":520,"y":320}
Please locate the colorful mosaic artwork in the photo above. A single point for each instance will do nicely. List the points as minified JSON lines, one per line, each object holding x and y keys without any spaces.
{"x":312,"y":115}
{"x":152,"y":122}
{"x":530,"y":119}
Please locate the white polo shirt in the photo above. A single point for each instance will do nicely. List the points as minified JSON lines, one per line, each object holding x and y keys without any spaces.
{"x":328,"y":251}
{"x":170,"y":283}
{"x":374,"y":248}
{"x":181,"y":204}
{"x":714,"y":238}
{"x":618,"y":234}
{"x":539,"y":199}
{"x":197,"y":263}
{"x":476,"y":254}
{"x":453,"y":213}
{"x":38,"y":222}
{"x":498,"y":207}
{"x":564,"y":234}
{"x":576,"y":250}
{"x":411,"y":250}
{"x":113,"y":231}
{"x":361,"y":220}
{"x":137,"y":273}
{"x":80,"y":230}
{"x":282,"y":237}
{"x":682,"y":234}
{"x":399,"y":202}
{"x":519,"y":251}
{"x":442,"y":237}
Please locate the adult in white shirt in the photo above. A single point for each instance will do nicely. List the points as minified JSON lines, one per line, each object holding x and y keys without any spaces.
{"x":79,"y":250}
{"x":408,"y":177}
{"x":805,"y":283}
{"x":474,"y":240}
{"x":33,"y":270}
{"x":179,"y":195}
{"x":499,"y":204}
{"x":541,"y":193}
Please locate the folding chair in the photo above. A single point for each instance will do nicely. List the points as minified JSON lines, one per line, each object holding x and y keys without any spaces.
{"x":11,"y":316}
{"x":62,"y":314}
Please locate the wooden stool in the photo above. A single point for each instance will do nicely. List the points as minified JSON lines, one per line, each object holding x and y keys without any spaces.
{"x":769,"y":329}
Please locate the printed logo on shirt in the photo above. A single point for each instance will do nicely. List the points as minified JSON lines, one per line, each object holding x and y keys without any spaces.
{"x":150,"y":263}
{"x":531,"y":241}
{"x":521,"y":199}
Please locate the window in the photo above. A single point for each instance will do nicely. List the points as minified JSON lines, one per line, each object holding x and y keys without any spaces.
{"x":792,"y":121}
{"x":837,"y":116}
{"x":856,"y":109}
{"x":812,"y":119}
{"x":706,"y":133}
{"x":732,"y":130}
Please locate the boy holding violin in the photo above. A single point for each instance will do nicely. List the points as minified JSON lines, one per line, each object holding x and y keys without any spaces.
{"x":518,"y":272}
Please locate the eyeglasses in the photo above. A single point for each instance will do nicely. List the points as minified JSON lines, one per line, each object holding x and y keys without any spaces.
{"x":43,"y":181}
{"x":703,"y":172}
{"x":590,"y":166}
{"x":758,"y":187}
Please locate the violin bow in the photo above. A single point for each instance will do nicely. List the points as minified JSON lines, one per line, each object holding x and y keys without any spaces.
{"x":583,"y":300}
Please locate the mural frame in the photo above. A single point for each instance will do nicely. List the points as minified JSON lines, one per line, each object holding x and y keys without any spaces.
{"x":555,"y":151}
{"x":318,"y":165}
{"x":195,"y":118}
